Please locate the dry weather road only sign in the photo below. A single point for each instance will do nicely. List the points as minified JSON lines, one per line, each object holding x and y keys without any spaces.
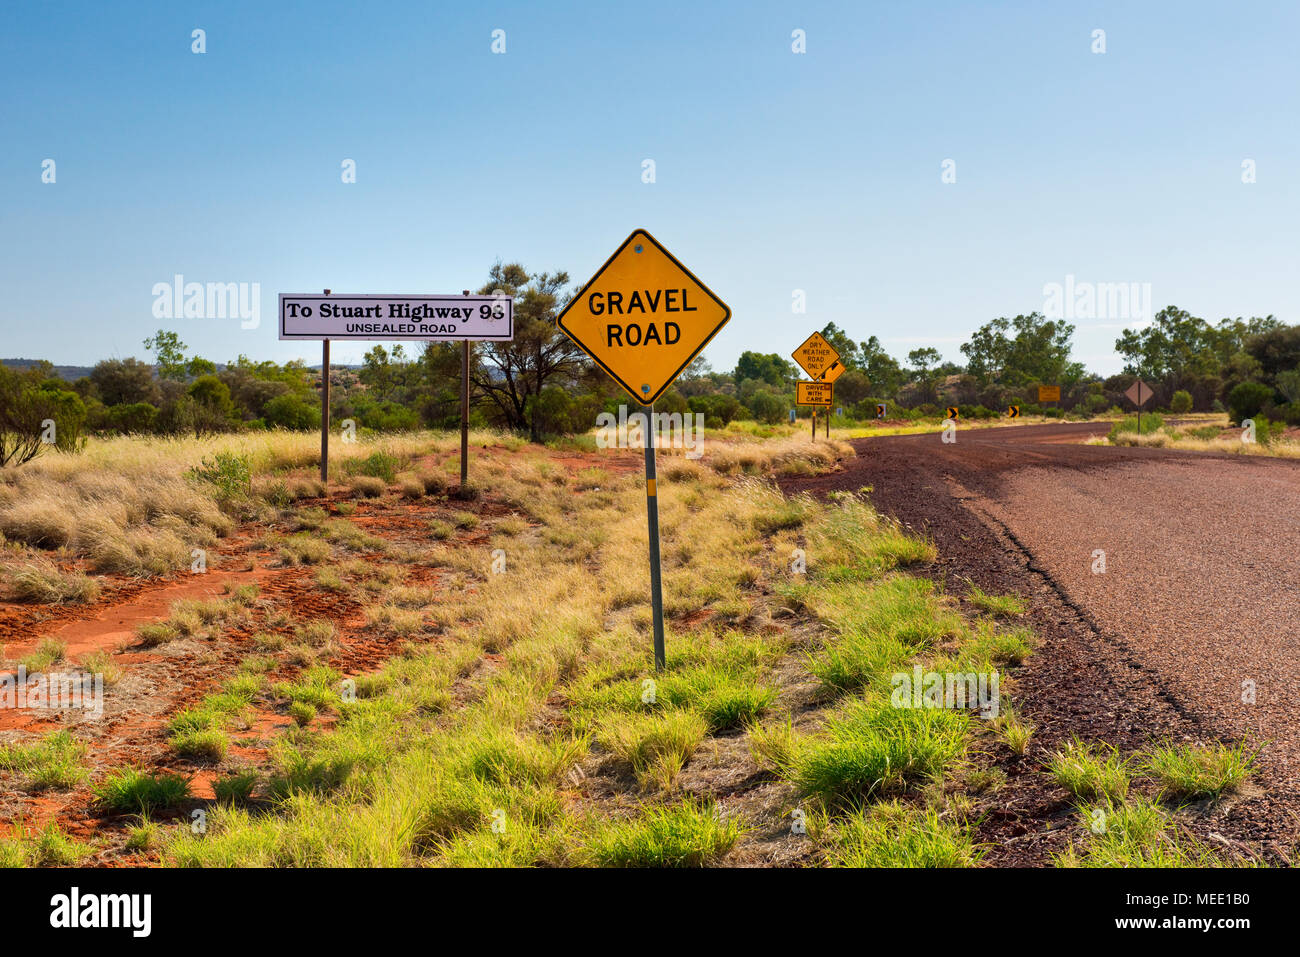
{"x":426,"y":318}
{"x":643,"y":317}
{"x":815,"y":356}
{"x":1049,"y":393}
{"x":814,"y":393}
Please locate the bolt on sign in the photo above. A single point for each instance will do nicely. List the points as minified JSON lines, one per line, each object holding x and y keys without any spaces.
{"x":1049,"y":393}
{"x":1139,"y":393}
{"x":814,"y":393}
{"x":954,"y":412}
{"x":643,"y":317}
{"x":425,"y":318}
{"x":833,"y":372}
{"x":815,"y":356}
{"x":1013,"y":412}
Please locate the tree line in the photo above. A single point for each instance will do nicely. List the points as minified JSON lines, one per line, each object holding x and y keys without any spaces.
{"x":540,"y":384}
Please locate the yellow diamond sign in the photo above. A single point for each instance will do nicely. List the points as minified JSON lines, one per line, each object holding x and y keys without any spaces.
{"x":643,"y":317}
{"x":815,"y":356}
{"x":833,"y":372}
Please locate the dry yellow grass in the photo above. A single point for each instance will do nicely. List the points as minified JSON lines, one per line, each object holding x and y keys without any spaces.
{"x":129,"y":505}
{"x":1230,"y":446}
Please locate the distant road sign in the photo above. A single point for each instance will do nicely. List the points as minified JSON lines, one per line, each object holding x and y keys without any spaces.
{"x":1049,"y":393}
{"x":643,"y":317}
{"x":447,"y":318}
{"x":1139,"y":393}
{"x":814,"y":393}
{"x":815,"y":356}
{"x":1014,"y":412}
{"x":833,"y":372}
{"x":954,"y":412}
{"x":880,"y":410}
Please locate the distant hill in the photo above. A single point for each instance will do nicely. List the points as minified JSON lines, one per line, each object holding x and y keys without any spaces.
{"x":70,"y":373}
{"x":73,"y":373}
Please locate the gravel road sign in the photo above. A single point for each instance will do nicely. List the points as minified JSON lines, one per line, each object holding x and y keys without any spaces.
{"x":643,"y":317}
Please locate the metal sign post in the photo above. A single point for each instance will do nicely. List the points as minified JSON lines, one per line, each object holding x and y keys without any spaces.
{"x":652,"y":521}
{"x":1139,"y":393}
{"x":325,"y":409}
{"x":464,"y":412}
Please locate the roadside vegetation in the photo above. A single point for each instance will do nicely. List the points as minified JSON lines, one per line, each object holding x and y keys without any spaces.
{"x":509,"y":716}
{"x":1207,"y":434}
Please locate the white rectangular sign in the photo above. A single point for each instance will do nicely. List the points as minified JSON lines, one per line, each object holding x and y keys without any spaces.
{"x":433,"y":318}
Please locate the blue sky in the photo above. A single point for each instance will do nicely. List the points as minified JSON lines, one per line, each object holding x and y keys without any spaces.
{"x":775,"y":171}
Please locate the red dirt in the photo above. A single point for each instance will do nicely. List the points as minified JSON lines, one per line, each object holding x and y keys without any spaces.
{"x":159,"y":682}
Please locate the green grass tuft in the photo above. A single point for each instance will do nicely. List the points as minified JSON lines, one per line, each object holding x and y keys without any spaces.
{"x":684,"y":835}
{"x":131,"y":790}
{"x":892,"y":834}
{"x":1185,"y":772}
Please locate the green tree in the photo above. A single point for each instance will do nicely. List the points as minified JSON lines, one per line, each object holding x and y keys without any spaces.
{"x":764,"y":367}
{"x":213,"y":409}
{"x":35,"y":415}
{"x":124,"y":381}
{"x":882,"y":369}
{"x":169,"y":355}
{"x":292,"y":411}
{"x":510,"y":374}
{"x":841,"y":343}
{"x":1248,"y":399}
{"x":767,"y":408}
{"x":1022,"y":350}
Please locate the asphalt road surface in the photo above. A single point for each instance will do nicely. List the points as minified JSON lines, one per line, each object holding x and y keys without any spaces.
{"x":1198,"y":606}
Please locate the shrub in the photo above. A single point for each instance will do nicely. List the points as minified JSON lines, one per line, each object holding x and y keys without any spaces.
{"x":1181,"y":402}
{"x":1247,"y":400}
{"x":42,"y":582}
{"x":1151,"y":422}
{"x":367,"y":486}
{"x":230,"y":474}
{"x":378,"y":464}
{"x":292,"y":411}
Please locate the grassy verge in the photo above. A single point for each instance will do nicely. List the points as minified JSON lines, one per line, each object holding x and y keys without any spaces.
{"x":522,"y":725}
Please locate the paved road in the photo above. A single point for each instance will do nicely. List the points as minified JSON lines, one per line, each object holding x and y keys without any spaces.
{"x":1199,"y":600}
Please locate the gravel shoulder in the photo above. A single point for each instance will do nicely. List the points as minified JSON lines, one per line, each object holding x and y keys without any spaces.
{"x":1199,"y":602}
